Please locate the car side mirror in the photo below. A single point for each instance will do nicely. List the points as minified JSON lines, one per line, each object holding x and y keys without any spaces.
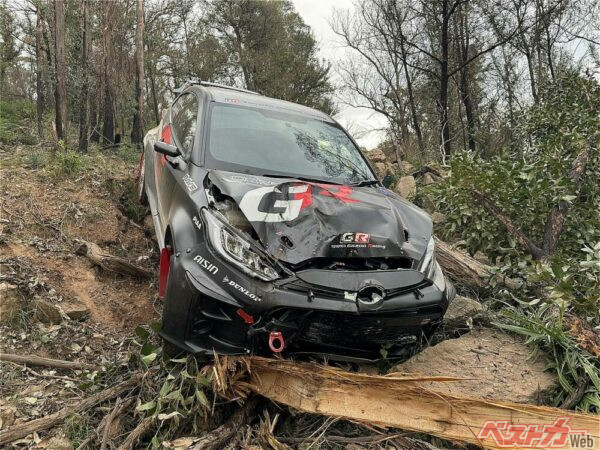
{"x":166,"y":149}
{"x":388,"y":181}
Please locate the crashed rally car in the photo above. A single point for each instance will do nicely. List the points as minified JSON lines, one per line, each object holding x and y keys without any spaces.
{"x":276,"y":235}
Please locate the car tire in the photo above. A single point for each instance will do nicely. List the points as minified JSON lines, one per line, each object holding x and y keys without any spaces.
{"x":170,"y":351}
{"x":142,"y":196}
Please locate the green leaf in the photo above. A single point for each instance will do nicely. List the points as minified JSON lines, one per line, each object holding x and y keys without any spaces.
{"x":202,"y":398}
{"x":142,"y":333}
{"x":146,"y":406}
{"x":148,"y":359}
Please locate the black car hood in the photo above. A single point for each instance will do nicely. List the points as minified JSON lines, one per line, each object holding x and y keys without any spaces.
{"x":297,"y":221}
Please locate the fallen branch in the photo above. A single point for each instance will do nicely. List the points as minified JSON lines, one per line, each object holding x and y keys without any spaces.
{"x":23,"y":429}
{"x":32,"y":360}
{"x":110,"y":262}
{"x":220,"y":436}
{"x":396,"y":401}
{"x":138,"y":432}
{"x":461,"y":267}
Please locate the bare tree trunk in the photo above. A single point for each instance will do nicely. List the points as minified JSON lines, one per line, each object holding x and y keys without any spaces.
{"x":465,"y":97}
{"x":137,"y":133}
{"x":39,"y":85}
{"x":411,"y":97}
{"x":59,"y":59}
{"x":443,"y":102}
{"x":154,"y":97}
{"x":84,"y":111}
{"x":108,"y":129}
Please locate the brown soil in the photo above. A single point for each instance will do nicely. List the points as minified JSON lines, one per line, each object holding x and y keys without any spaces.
{"x":44,"y":214}
{"x":494,"y":364}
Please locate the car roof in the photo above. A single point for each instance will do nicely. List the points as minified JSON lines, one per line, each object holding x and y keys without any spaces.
{"x":231,"y":96}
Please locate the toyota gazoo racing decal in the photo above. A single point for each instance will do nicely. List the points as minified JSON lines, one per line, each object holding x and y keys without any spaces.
{"x":356,"y":240}
{"x":283,"y":203}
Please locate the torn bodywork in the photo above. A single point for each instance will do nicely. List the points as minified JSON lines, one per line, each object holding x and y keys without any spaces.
{"x":276,"y":236}
{"x":346,"y":262}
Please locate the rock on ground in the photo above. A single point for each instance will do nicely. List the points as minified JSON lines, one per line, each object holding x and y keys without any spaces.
{"x":461,"y":313}
{"x":496,"y":364}
{"x":438,"y":217}
{"x":46,"y":312}
{"x":406,"y":187}
{"x":375,"y":155}
{"x":407,"y":167}
{"x":380,"y":168}
{"x":427,"y":179}
{"x":76,"y":311}
{"x":10,"y":301}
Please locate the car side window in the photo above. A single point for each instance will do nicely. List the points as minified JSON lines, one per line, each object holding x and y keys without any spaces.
{"x":184,"y":119}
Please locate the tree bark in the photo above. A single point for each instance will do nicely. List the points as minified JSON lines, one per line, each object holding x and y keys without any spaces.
{"x":411,"y":97}
{"x":137,"y":134}
{"x":108,"y":122}
{"x":59,"y":60}
{"x":443,"y":101}
{"x":84,"y":111}
{"x":39,"y":85}
{"x":23,"y":429}
{"x":110,"y":262}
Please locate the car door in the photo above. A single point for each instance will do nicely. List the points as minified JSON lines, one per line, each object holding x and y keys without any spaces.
{"x":179,"y":131}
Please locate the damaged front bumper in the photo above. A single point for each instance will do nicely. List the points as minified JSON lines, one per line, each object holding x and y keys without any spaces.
{"x":348,"y":314}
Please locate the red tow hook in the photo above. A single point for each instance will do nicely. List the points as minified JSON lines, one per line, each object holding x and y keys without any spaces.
{"x":276,"y":342}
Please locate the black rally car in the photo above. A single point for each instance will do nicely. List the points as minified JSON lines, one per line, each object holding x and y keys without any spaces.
{"x":276,"y":235}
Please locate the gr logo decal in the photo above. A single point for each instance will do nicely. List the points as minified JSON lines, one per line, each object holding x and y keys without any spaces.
{"x":270,"y":204}
{"x":284,"y":202}
{"x":357,"y":238}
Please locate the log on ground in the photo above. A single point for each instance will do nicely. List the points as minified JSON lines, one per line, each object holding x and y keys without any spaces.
{"x":397,"y":401}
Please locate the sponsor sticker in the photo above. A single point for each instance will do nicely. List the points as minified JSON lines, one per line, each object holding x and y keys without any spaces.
{"x":206,"y":265}
{"x":356,"y":240}
{"x":197,"y":222}
{"x":189,"y":182}
{"x":241,"y":289}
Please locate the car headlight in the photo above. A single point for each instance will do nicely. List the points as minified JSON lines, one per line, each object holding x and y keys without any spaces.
{"x":237,"y":250}
{"x":429,"y":253}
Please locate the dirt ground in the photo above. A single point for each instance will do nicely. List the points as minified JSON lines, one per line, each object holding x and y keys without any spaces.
{"x":43,"y":216}
{"x":67,"y":308}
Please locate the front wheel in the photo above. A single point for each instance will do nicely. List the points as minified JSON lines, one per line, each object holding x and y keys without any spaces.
{"x":141,"y":191}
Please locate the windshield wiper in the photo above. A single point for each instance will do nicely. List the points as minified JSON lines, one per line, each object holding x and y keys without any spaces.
{"x":307,"y":179}
{"x":365,"y":183}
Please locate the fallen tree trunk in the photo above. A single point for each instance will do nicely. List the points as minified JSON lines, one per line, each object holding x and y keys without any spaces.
{"x":23,"y":429}
{"x":32,"y":360}
{"x":459,"y":266}
{"x":110,"y":262}
{"x":400,"y":401}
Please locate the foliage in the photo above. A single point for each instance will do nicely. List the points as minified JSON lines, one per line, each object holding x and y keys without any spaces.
{"x":526,"y":185}
{"x":15,"y":119}
{"x":176,"y":397}
{"x":126,"y":192}
{"x":67,"y":161}
{"x":544,"y":324}
{"x":268,"y":45}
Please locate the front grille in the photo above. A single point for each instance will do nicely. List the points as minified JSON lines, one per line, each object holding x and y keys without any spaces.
{"x":362,"y":332}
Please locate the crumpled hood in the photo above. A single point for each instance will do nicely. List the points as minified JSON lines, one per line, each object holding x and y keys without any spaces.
{"x":296,"y":220}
